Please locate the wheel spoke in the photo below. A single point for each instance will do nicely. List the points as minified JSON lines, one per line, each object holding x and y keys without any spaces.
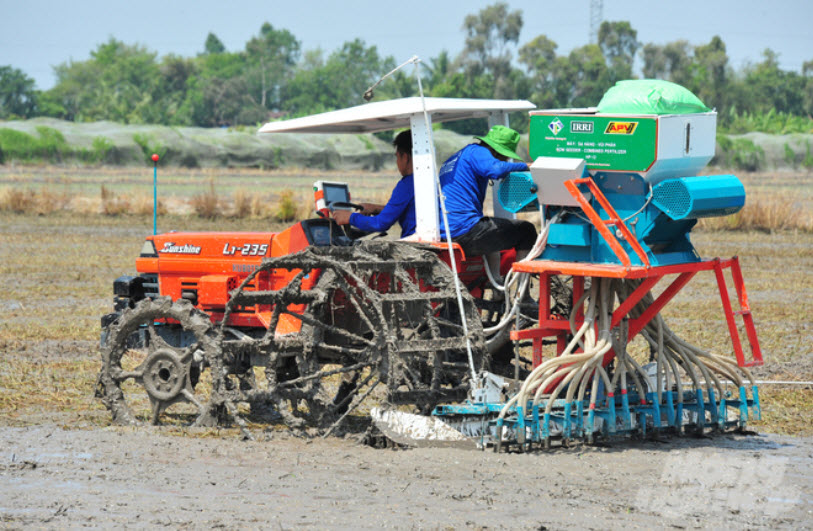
{"x":354,"y":301}
{"x":191,"y":398}
{"x":157,"y":407}
{"x":121,"y":376}
{"x":324,"y":374}
{"x":331,"y":328}
{"x":352,"y":352}
{"x":353,"y":406}
{"x":155,"y":340}
{"x":162,"y":370}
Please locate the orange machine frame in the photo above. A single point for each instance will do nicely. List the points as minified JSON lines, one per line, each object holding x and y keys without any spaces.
{"x":550,"y":325}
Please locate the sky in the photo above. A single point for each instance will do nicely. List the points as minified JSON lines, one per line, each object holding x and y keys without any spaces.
{"x":36,"y":35}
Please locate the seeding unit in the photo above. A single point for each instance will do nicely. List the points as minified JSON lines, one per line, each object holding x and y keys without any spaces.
{"x":618,"y":191}
{"x":619,"y":195}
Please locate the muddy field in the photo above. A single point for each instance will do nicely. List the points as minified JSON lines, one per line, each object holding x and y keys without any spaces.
{"x":62,"y":465}
{"x":108,"y":477}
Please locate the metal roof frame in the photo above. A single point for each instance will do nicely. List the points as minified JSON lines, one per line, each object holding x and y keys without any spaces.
{"x":401,"y":114}
{"x":395,"y":114}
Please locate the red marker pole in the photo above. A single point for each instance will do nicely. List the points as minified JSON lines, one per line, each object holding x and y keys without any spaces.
{"x":155,"y":158}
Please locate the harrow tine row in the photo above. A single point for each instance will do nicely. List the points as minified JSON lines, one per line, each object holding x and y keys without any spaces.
{"x":626,"y":415}
{"x":616,"y":416}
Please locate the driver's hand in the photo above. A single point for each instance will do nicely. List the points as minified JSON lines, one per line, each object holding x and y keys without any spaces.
{"x":342,"y":217}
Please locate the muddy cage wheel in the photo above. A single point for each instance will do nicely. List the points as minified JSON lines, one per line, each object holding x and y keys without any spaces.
{"x":146,"y":375}
{"x":429,"y":356}
{"x":381,"y":312}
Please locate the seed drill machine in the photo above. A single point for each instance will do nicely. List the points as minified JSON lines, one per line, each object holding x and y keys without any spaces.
{"x":316,"y":320}
{"x":619,"y":190}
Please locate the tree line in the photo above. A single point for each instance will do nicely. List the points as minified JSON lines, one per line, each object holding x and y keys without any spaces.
{"x":273,"y":76}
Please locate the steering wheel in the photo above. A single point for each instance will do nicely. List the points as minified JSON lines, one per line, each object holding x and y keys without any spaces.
{"x":344,"y":205}
{"x":349,"y":230}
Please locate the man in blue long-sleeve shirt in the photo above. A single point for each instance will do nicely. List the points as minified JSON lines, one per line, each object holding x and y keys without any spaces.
{"x":400,"y":207}
{"x":464,"y":179}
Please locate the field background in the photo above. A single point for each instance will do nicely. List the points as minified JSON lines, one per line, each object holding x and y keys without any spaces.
{"x":60,"y":254}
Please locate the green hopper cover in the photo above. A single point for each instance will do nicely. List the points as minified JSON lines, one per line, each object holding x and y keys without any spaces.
{"x":649,"y":96}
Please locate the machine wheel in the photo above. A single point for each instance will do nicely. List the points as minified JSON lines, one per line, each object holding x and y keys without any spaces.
{"x":381,"y":312}
{"x":430,"y":361}
{"x":147,"y":375}
{"x":340,"y":342}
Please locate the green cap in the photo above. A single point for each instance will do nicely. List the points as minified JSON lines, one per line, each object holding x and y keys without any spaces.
{"x":504,"y":140}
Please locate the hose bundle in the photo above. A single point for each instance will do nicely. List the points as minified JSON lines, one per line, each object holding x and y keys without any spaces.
{"x":581,"y":372}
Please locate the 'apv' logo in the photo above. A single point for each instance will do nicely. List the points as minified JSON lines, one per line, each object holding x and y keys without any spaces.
{"x":556,"y":126}
{"x":620,"y":128}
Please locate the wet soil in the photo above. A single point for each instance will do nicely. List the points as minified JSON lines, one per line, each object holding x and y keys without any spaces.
{"x":98,"y":475}
{"x":116,"y":477}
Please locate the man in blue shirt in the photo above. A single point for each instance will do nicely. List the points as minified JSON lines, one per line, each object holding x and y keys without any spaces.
{"x":464,"y":179}
{"x":400,"y":207}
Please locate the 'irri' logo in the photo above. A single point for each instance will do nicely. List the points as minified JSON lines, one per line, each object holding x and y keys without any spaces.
{"x":620,"y":128}
{"x":581,"y":127}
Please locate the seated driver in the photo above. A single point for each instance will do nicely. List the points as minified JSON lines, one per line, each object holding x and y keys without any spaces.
{"x":464,"y":179}
{"x":400,"y":207}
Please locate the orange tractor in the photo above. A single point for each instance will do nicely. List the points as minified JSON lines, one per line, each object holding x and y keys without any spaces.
{"x":311,"y":320}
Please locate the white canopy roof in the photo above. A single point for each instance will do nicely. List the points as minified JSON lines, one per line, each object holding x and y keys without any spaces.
{"x":394,"y":114}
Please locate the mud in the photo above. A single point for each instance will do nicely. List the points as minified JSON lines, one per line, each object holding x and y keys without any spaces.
{"x":118,"y":477}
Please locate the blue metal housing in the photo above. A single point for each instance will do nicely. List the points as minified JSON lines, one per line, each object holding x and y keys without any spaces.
{"x":699,"y":197}
{"x":517,"y":192}
{"x":660,"y":217}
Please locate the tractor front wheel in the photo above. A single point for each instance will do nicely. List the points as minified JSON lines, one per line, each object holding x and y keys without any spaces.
{"x":152,"y":361}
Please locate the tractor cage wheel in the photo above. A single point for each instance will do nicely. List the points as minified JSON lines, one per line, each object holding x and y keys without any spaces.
{"x":383,"y":312}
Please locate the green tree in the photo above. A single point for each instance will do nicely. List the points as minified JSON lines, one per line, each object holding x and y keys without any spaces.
{"x":773,"y":88}
{"x":320,"y":85}
{"x":491,"y":35}
{"x":618,"y":43}
{"x":218,"y":94}
{"x":438,"y":69}
{"x":310,"y":87}
{"x":18,"y":98}
{"x":119,"y":82}
{"x":679,"y":61}
{"x":176,"y":73}
{"x":807,"y":73}
{"x":672,"y":62}
{"x":709,"y":79}
{"x":654,"y":62}
{"x":270,"y":60}
{"x":539,"y":57}
{"x":213,"y":44}
{"x":581,"y":78}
